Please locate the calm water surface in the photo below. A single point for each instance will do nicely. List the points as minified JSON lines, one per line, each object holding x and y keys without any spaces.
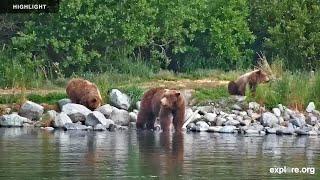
{"x":37,"y":154}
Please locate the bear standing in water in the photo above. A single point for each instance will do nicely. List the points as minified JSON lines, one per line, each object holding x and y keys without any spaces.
{"x":252,"y":78}
{"x":165,"y":104}
{"x":83,"y":92}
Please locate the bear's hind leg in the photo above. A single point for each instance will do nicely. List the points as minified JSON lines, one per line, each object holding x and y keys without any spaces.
{"x":142,"y":119}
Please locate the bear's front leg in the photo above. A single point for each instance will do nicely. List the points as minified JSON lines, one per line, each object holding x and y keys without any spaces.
{"x":178,"y":119}
{"x":165,"y":117}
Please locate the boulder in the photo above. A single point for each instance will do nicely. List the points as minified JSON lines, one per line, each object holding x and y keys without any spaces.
{"x":63,"y":102}
{"x":77,"y":117}
{"x":254,"y":106}
{"x":12,"y":120}
{"x":269,"y":119}
{"x":228,"y":129}
{"x":202,"y":126}
{"x":31,"y":110}
{"x":133,"y":117}
{"x":99,"y":127}
{"x":220,"y":121}
{"x":74,"y":126}
{"x":95,"y":118}
{"x":211,"y":117}
{"x":236,"y":107}
{"x":120,"y":117}
{"x":61,"y":119}
{"x":119,"y":99}
{"x":310,"y":107}
{"x":277,"y":112}
{"x":106,"y":110}
{"x":138,"y":105}
{"x":214,"y":128}
{"x":72,"y":108}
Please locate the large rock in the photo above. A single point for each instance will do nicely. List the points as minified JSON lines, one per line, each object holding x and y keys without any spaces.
{"x":254,"y":106}
{"x":211,"y":117}
{"x":220,"y":121}
{"x":31,"y":110}
{"x":133,"y":117}
{"x":310,"y":107}
{"x":120,"y":117}
{"x":106,"y":110}
{"x":12,"y":120}
{"x":72,"y":108}
{"x":202,"y":126}
{"x":138,"y":105}
{"x":95,"y":118}
{"x":99,"y":127}
{"x":77,"y":117}
{"x":269,"y":119}
{"x":61,"y":119}
{"x":188,"y":113}
{"x":228,"y":129}
{"x":74,"y":126}
{"x":298,"y":119}
{"x":277,"y":112}
{"x":119,"y":99}
{"x":63,"y":102}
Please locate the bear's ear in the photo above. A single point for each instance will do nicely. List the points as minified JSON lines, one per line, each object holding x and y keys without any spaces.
{"x":177,"y":94}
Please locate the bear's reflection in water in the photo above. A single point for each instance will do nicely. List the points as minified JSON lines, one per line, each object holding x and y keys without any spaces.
{"x":161,"y":152}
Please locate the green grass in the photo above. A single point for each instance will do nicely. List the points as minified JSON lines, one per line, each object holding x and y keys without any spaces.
{"x":295,"y":90}
{"x":204,"y":95}
{"x":51,"y":98}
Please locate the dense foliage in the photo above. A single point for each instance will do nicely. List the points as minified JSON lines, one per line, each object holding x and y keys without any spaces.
{"x":140,"y":36}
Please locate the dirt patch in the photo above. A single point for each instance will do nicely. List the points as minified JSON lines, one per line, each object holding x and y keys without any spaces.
{"x":185,"y":84}
{"x":14,"y":91}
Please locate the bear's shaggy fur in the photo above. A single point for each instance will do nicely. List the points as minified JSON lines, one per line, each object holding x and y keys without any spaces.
{"x":83,"y":92}
{"x":252,"y":78}
{"x":162,"y":103}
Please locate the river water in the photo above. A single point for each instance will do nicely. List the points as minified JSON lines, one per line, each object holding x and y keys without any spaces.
{"x":38,"y":154}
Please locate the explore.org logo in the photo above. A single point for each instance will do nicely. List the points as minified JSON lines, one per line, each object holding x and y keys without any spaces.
{"x":29,"y":6}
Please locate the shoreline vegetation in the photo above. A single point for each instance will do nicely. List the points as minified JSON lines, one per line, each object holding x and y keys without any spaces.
{"x":294,"y":90}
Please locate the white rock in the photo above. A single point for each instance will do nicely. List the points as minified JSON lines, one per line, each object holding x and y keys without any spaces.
{"x":277,"y":112}
{"x":120,"y":117}
{"x":211,"y":117}
{"x":133,"y":117}
{"x":12,"y":120}
{"x":310,"y":107}
{"x":203,"y":126}
{"x":31,"y":110}
{"x":269,"y":119}
{"x":119,"y":99}
{"x":106,"y":110}
{"x":254,"y":106}
{"x":61,"y":119}
{"x":72,"y":108}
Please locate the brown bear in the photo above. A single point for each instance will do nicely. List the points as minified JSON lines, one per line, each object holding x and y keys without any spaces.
{"x":83,"y":92}
{"x":252,"y":78}
{"x":165,"y":104}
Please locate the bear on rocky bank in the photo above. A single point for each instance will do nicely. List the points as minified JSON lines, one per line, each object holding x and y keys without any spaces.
{"x":252,"y":78}
{"x":84,"y":92}
{"x":165,"y":104}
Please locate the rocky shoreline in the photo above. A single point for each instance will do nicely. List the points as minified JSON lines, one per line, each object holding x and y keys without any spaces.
{"x":218,"y":117}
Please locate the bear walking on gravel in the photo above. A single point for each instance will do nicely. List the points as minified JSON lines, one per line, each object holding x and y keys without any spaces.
{"x":84,"y":92}
{"x":252,"y":78}
{"x":163,"y":103}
